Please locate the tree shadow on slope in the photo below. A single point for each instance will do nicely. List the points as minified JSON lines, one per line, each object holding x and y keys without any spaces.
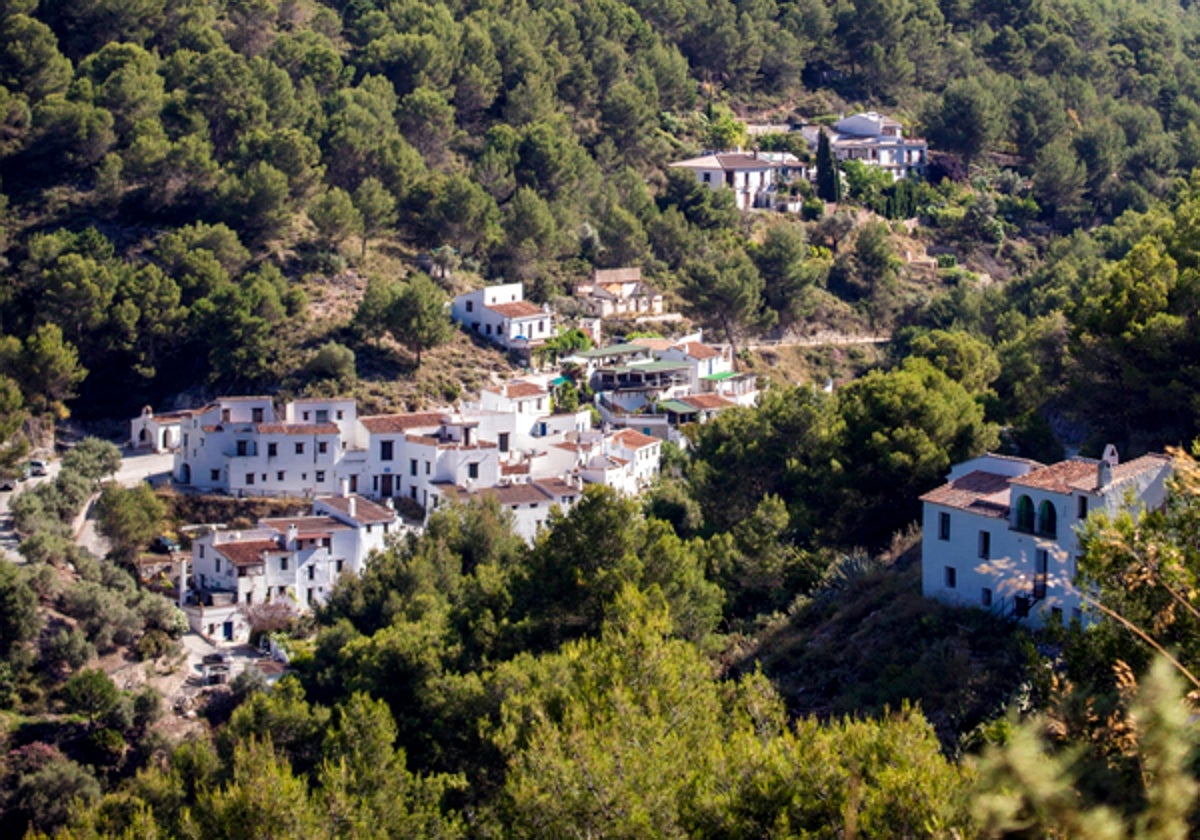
{"x":868,"y":641}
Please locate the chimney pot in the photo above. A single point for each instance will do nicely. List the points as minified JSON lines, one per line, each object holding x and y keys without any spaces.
{"x":353,"y":507}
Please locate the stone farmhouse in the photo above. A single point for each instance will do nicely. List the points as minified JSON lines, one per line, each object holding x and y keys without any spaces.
{"x":1002,"y":533}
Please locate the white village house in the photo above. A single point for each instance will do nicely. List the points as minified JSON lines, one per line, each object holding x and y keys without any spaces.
{"x":157,"y":432}
{"x":239,"y":445}
{"x":619,"y":292}
{"x":503,"y":316}
{"x":1001,"y":534}
{"x":753,"y":177}
{"x":875,"y":140}
{"x":289,"y":561}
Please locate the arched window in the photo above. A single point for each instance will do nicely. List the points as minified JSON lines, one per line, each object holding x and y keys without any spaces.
{"x":1025,"y":514}
{"x":1047,"y":520}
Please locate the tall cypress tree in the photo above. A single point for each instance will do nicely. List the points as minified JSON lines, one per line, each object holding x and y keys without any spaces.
{"x":829,"y":182}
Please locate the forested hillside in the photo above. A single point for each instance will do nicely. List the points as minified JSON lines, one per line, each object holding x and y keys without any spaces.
{"x":217,"y":197}
{"x":177,"y":175}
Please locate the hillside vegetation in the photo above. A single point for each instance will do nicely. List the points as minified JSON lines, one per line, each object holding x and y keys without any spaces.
{"x":219,"y":197}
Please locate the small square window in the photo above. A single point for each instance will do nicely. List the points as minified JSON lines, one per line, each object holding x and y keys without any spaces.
{"x":214,"y":475}
{"x":985,"y":597}
{"x":320,"y":476}
{"x":249,"y":479}
{"x":272,"y":450}
{"x":341,"y":414}
{"x":472,"y":470}
{"x":279,"y":475}
{"x":283,"y":564}
{"x":299,"y":448}
{"x":1083,"y":507}
{"x":943,"y":526}
{"x":951,"y":577}
{"x":985,"y":545}
{"x":322,"y":447}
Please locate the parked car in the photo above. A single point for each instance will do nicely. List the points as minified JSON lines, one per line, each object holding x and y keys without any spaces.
{"x":37,"y":467}
{"x":164,"y":545}
{"x":10,"y":479}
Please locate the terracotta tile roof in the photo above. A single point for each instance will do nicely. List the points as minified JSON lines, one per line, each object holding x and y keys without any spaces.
{"x":633,"y":439}
{"x":365,"y":511}
{"x":246,"y":553}
{"x":1060,"y":477}
{"x":515,"y":469}
{"x":298,"y":428}
{"x":243,"y":399}
{"x":517,"y":309}
{"x":1124,"y":471}
{"x":658,"y":344}
{"x":557,"y":487}
{"x":699,"y":351}
{"x":1151,"y":461}
{"x":519,"y":388}
{"x":398,"y":423}
{"x":979,"y":492}
{"x":505,"y":494}
{"x":307,"y":527}
{"x":574,"y":447}
{"x":516,"y":494}
{"x":707,"y":402}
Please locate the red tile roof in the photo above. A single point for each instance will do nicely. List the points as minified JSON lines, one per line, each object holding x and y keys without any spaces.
{"x":557,"y":487}
{"x":248,"y":552}
{"x":398,"y":423}
{"x":519,"y":388}
{"x":307,"y":527}
{"x":633,"y":439}
{"x":699,"y":351}
{"x":659,"y":344}
{"x":1060,"y":477}
{"x":517,"y":309}
{"x":365,"y":511}
{"x":707,"y":402}
{"x":298,"y":428}
{"x":979,"y":492}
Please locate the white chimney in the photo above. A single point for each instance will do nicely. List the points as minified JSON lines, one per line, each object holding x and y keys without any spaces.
{"x":344,"y":487}
{"x":292,"y":533}
{"x":352,"y":506}
{"x":1110,"y":455}
{"x":389,"y":504}
{"x":183,"y":566}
